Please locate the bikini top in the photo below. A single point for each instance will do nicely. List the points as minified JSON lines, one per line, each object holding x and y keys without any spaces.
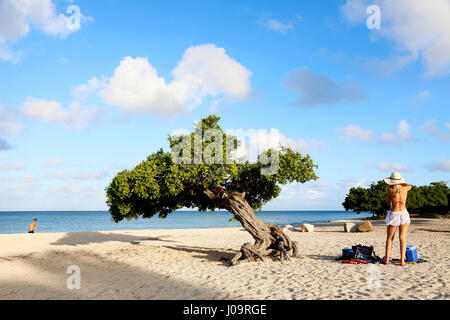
{"x":400,"y":202}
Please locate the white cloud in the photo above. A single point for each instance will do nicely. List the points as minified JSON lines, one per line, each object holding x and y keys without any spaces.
{"x":136,"y":88}
{"x":29,"y":178}
{"x":315,"y":195}
{"x":387,"y":166}
{"x":403,"y":132}
{"x":440,"y":165}
{"x":9,"y":55}
{"x":422,"y":95}
{"x":5,"y":179}
{"x":346,"y":184}
{"x":311,"y":191}
{"x":421,"y":29}
{"x":84,"y":91}
{"x":355,"y":132}
{"x":12,"y":166}
{"x":9,"y":122}
{"x":18,"y":17}
{"x":279,"y":26}
{"x":317,"y":89}
{"x":254,"y":142}
{"x":76,"y":116}
{"x":81,"y":175}
{"x":60,"y":175}
{"x":266,"y":141}
{"x":24,"y":178}
{"x":388,"y":65}
{"x":74,"y":189}
{"x":90,"y":175}
{"x":430,"y":127}
{"x":276,"y":25}
{"x":389,"y":138}
{"x":204,"y":71}
{"x":53,"y":163}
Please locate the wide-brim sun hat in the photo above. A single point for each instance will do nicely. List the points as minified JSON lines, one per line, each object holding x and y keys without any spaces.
{"x":395,"y":178}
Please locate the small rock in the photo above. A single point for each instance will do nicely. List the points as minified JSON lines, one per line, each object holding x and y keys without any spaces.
{"x":350,"y":227}
{"x":366,"y":227}
{"x":307,"y":227}
{"x":287,"y":227}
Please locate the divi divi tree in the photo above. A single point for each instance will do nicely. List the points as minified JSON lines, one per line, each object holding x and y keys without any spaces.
{"x":202,"y":172}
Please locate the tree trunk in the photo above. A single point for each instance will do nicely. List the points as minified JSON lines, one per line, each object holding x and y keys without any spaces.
{"x":270,"y":240}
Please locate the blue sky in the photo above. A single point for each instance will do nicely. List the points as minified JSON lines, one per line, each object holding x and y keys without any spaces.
{"x":79,"y":104}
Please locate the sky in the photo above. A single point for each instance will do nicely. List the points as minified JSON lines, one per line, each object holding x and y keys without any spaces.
{"x":89,"y":88}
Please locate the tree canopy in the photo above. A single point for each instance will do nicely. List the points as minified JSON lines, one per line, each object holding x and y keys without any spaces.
{"x":159,"y":185}
{"x":433,"y":198}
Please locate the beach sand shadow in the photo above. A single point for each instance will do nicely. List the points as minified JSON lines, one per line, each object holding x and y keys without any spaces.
{"x":80,"y":238}
{"x":211,"y":254}
{"x":101,"y":278}
{"x":321,"y":257}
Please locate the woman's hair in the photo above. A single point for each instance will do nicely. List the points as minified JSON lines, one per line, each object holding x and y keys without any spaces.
{"x":398,"y":188}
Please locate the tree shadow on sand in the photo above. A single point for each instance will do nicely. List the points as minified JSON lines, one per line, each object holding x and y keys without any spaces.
{"x":101,"y":278}
{"x":211,"y":254}
{"x":80,"y":238}
{"x":321,"y":257}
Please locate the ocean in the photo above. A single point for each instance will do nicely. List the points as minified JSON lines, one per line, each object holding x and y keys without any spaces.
{"x":73,"y":221}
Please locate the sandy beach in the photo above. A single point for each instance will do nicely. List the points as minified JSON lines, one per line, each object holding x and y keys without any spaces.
{"x":188,"y":264}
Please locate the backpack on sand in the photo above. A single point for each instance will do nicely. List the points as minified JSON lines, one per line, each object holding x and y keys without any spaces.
{"x":365,"y":254}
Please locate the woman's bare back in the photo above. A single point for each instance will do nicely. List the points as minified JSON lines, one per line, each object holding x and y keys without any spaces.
{"x":398,"y":199}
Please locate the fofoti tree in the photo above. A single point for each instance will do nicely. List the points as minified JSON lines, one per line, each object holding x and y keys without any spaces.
{"x":202,"y":172}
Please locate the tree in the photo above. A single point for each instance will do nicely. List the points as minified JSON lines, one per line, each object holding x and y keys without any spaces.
{"x":372,"y":199}
{"x":357,"y":200}
{"x":200,"y":172}
{"x":423,"y":199}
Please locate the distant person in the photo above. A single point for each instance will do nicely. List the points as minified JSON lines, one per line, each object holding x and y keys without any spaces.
{"x":32,"y":227}
{"x":398,"y":216}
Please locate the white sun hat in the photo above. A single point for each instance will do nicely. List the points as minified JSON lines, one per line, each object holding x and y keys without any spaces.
{"x":395,"y":178}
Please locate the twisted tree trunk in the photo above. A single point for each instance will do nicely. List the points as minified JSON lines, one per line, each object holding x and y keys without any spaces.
{"x":270,"y":240}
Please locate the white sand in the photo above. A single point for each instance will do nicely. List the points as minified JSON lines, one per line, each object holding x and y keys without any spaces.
{"x":186,"y":264}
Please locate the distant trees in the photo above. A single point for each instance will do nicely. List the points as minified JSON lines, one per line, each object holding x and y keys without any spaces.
{"x":433,"y":198}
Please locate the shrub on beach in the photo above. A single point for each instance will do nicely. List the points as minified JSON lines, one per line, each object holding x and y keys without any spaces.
{"x":431,"y":199}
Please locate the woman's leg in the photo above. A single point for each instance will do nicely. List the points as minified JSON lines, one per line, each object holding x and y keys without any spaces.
{"x":403,"y":230}
{"x":390,"y":237}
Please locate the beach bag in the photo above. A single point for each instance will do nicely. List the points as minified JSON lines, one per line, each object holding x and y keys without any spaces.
{"x":363,"y":254}
{"x":360,"y":255}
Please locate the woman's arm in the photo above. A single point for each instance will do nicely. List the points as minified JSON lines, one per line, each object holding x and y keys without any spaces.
{"x":388,"y":196}
{"x":408,"y":186}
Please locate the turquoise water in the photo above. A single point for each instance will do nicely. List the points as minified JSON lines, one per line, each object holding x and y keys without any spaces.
{"x":71,"y":221}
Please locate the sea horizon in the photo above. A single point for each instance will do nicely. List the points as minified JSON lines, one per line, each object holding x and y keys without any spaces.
{"x":12,"y":222}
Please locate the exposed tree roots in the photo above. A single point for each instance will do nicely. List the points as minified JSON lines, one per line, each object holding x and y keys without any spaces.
{"x":281,"y":246}
{"x":270,"y":240}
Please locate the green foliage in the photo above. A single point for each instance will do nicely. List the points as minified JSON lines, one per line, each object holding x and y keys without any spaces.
{"x":423,"y":199}
{"x":160,"y":185}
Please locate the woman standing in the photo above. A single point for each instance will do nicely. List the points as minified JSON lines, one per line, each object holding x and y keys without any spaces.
{"x":398,"y":216}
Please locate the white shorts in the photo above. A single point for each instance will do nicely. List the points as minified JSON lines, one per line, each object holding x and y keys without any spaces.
{"x":397,"y":218}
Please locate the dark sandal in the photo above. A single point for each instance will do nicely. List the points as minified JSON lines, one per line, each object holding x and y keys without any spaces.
{"x":383,"y":261}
